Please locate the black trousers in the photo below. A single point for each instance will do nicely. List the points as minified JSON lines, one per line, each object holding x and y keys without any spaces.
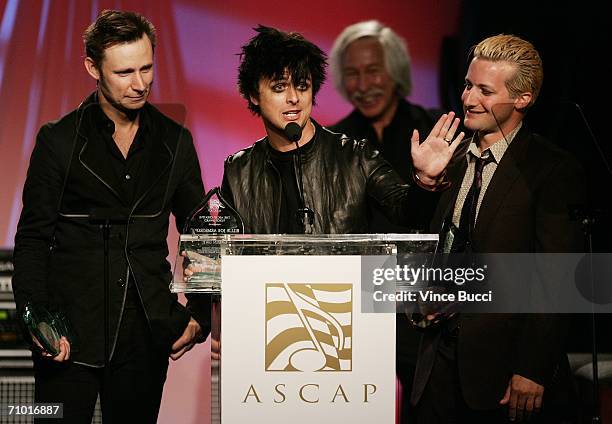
{"x":442,"y":401}
{"x":407,"y":343}
{"x":130,"y":390}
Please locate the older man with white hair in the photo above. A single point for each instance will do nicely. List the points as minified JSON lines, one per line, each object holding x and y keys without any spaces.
{"x":370,"y":67}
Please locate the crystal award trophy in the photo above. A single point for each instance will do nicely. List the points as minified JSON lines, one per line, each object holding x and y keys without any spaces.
{"x":46,"y":327}
{"x":214,"y":215}
{"x":198,"y":265}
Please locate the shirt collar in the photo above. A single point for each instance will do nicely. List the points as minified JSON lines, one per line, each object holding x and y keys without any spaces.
{"x":106,"y":125}
{"x":497,"y":149}
{"x":305,"y":149}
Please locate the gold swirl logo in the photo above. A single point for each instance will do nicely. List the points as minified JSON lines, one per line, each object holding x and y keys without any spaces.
{"x":309,"y":327}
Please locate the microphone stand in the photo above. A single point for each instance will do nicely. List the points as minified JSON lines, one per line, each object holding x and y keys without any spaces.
{"x":587,"y":220}
{"x":588,"y":217}
{"x":305,"y":215}
{"x":106,"y":218}
{"x":587,"y":227}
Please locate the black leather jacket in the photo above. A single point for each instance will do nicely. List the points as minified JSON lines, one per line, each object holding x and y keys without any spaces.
{"x":340,"y":175}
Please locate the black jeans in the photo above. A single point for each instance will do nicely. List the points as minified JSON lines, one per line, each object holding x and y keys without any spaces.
{"x":130,"y":391}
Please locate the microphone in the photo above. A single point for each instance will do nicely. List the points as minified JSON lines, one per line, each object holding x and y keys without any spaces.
{"x":293,"y":132}
{"x":304,"y":215}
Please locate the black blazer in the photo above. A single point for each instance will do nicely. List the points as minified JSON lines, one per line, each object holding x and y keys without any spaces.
{"x":59,"y":253}
{"x":525,"y":209}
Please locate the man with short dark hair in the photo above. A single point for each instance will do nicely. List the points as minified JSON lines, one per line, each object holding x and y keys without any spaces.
{"x":330,"y":175}
{"x":114,"y":158}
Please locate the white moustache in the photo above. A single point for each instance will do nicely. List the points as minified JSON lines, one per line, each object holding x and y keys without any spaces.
{"x":360,"y":95}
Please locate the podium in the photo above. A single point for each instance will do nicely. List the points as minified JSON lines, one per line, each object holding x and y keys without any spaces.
{"x":300,"y":339}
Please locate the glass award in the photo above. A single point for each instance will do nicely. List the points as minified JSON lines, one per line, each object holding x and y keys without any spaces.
{"x":198,"y":265}
{"x":215,"y":216}
{"x":46,"y":327}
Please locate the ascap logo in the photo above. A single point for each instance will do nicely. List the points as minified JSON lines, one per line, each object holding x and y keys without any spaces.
{"x":309,"y":327}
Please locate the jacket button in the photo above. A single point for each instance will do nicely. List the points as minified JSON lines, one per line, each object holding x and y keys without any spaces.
{"x":121,"y":282}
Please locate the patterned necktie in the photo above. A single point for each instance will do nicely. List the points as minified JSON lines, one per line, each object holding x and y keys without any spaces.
{"x":468,"y":212}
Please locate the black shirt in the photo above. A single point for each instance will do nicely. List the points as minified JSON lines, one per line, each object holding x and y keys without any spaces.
{"x":395,"y":148}
{"x":286,"y":163}
{"x":126,"y":170}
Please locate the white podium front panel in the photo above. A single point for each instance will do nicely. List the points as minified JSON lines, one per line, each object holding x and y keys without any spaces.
{"x":296,"y":347}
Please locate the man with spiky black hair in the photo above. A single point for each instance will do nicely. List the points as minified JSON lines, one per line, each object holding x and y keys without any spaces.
{"x":271,"y":55}
{"x":321,"y":181}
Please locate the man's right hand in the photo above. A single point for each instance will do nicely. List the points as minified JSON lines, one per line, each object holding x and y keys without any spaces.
{"x":432,"y":156}
{"x":199,"y":263}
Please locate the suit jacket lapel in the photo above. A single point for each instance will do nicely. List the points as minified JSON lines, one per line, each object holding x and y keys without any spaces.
{"x":91,"y":157}
{"x":456,"y":174}
{"x":505,"y":176}
{"x":158,"y":159}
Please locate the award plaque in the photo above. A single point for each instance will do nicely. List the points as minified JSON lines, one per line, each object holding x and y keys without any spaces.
{"x":198,"y":265}
{"x":214,"y":215}
{"x":46,"y":327}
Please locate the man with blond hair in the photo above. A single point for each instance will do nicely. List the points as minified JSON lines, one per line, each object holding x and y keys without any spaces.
{"x":511,"y":192}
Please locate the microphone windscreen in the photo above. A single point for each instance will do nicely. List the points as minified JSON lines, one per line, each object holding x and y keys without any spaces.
{"x":293,"y":132}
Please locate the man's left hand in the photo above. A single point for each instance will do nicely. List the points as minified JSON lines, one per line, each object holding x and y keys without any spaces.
{"x":523,"y":397}
{"x":191,"y":335}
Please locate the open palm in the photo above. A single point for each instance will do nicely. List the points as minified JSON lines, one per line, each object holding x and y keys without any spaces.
{"x":431,"y":157}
